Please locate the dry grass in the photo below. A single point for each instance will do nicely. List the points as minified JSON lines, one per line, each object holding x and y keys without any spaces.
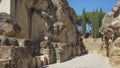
{"x":94,"y":45}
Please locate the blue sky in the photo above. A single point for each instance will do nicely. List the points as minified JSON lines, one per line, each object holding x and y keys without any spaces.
{"x":89,"y":5}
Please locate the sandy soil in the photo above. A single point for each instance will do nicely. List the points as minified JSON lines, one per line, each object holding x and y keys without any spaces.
{"x":92,"y":44}
{"x":87,"y":61}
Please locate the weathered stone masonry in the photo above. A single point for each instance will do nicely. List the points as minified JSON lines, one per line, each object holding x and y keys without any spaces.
{"x":40,"y":32}
{"x":111,"y":32}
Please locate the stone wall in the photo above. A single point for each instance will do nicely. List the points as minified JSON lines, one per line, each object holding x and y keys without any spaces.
{"x":59,"y":52}
{"x":8,"y":26}
{"x":54,"y":18}
{"x":20,"y":53}
{"x":40,"y":32}
{"x":16,"y":55}
{"x":111,"y":34}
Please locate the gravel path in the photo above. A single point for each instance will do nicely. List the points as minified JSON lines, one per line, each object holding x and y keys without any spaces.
{"x":86,"y":61}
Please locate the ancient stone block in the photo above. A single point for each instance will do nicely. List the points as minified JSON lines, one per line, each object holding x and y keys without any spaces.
{"x":48,"y":51}
{"x":114,"y":58}
{"x":25,"y":43}
{"x":60,"y":56}
{"x":38,"y":61}
{"x":44,"y":60}
{"x":79,"y":51}
{"x":5,"y":63}
{"x":5,"y":52}
{"x":19,"y":63}
{"x":32,"y":62}
{"x":8,"y":26}
{"x":20,"y":53}
{"x":7,"y":41}
{"x":46,"y":44}
{"x":14,"y":52}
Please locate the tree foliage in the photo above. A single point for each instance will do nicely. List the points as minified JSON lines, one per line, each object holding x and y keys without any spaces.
{"x":95,"y":17}
{"x":84,"y":21}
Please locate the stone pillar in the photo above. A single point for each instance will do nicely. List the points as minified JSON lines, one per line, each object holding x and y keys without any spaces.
{"x":53,"y":56}
{"x":38,"y":61}
{"x":48,"y":51}
{"x":43,"y":60}
{"x":13,"y":8}
{"x":32,"y":62}
{"x":58,"y":56}
{"x":79,"y":51}
{"x":50,"y":55}
{"x":22,"y":15}
{"x":66,"y":53}
{"x":69,"y":52}
{"x":47,"y":55}
{"x":75,"y":50}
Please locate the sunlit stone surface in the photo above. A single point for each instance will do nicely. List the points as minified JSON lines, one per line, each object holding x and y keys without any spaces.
{"x":5,"y":6}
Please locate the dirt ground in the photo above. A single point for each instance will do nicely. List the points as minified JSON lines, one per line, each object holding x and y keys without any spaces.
{"x":95,"y":45}
{"x":90,"y":60}
{"x":94,"y":59}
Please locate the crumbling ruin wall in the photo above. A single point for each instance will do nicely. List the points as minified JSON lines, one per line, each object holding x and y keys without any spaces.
{"x":111,"y":34}
{"x":8,"y":26}
{"x":52,"y":20}
{"x":15,"y":53}
{"x":40,"y":18}
{"x":49,"y":26}
{"x":20,"y":53}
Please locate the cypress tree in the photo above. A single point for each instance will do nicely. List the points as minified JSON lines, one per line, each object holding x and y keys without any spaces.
{"x":97,"y":23}
{"x":93,"y":23}
{"x":83,"y":22}
{"x":101,"y":16}
{"x":95,"y":17}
